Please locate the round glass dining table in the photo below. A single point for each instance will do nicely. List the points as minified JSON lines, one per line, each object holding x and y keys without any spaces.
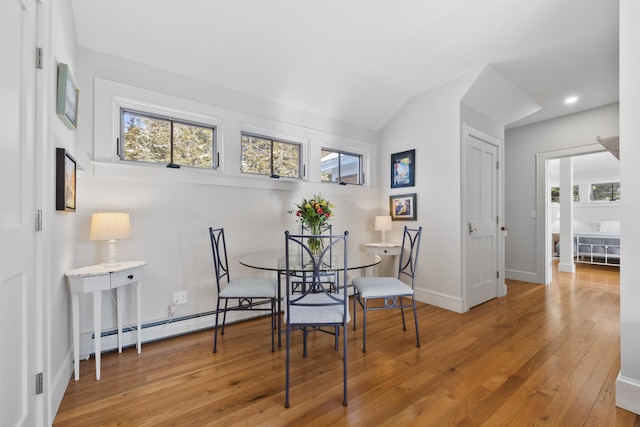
{"x":275,"y":261}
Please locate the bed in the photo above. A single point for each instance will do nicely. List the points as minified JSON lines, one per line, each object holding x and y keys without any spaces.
{"x":597,"y":243}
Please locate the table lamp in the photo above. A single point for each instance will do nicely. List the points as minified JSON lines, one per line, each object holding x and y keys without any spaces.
{"x":383,"y":223}
{"x":110,"y":226}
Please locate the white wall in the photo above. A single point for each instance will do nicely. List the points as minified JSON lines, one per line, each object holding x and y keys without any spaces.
{"x":430,"y":124}
{"x":522,"y":144}
{"x":628,"y":382}
{"x":59,"y":228}
{"x":171,"y":209}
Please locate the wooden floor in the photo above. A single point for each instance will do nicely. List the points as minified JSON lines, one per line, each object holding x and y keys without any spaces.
{"x":539,"y":356}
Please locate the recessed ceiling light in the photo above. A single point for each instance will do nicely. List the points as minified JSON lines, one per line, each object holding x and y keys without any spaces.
{"x":571,"y":100}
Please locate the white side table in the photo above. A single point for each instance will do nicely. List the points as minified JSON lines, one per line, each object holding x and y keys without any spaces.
{"x":95,"y":279}
{"x":385,"y":249}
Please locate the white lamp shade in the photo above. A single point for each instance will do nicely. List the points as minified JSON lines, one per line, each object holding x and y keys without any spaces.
{"x":110,"y":226}
{"x":383,"y":223}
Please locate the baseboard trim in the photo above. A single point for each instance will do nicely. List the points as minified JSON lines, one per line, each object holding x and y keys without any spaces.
{"x":59,"y":383}
{"x":628,"y":394}
{"x":522,"y":276}
{"x":153,"y":331}
{"x":448,"y":302}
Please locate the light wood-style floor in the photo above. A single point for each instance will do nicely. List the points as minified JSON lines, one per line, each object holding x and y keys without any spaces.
{"x":539,"y":356}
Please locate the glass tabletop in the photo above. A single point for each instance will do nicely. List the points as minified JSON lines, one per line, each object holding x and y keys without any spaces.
{"x":275,"y":260}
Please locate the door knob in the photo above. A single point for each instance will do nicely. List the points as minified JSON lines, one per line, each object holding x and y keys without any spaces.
{"x":471,"y":229}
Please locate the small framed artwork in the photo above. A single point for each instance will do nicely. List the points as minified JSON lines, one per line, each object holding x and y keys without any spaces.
{"x":403,"y":207}
{"x":403,"y":169}
{"x":65,"y":181}
{"x":67,"y":100}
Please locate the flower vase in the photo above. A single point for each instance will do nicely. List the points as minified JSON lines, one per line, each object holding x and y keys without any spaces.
{"x":316,"y":245}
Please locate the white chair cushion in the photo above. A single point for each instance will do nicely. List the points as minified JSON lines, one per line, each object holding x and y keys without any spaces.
{"x":318,"y":314}
{"x":380,"y":287}
{"x":252,"y":287}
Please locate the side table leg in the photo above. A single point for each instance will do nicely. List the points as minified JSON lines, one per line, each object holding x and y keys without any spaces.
{"x":97,"y":328}
{"x":75,"y":310}
{"x":138,"y":314}
{"x":119,"y":302}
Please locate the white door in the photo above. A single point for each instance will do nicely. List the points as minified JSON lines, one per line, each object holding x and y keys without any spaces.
{"x":480,"y":218}
{"x":18,"y":332}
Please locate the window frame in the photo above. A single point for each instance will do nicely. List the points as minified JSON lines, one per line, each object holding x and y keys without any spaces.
{"x":272,"y":137}
{"x":120,"y":144}
{"x":340,"y":152}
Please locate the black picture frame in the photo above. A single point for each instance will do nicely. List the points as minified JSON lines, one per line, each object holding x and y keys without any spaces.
{"x":67,"y":99}
{"x":403,"y":169}
{"x":65,"y":181}
{"x":403,"y":207}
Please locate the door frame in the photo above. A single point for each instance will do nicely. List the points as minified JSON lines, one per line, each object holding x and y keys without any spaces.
{"x":543,"y":205}
{"x":468,"y":131}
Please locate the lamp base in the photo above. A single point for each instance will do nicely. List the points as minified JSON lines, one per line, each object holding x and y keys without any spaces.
{"x":112,"y":254}
{"x":384,"y":237}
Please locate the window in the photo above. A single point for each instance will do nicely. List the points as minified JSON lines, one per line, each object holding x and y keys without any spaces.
{"x":155,"y":139}
{"x":339,"y":166}
{"x":262,"y":155}
{"x":605,"y":191}
{"x":555,"y":194}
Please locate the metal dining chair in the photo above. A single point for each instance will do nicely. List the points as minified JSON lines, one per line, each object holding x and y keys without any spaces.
{"x":244,"y":291}
{"x":393,"y":292}
{"x":319,"y":304}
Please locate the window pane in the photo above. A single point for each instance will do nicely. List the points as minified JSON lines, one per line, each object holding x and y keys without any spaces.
{"x":607,"y":191}
{"x":576,"y":193}
{"x":337,"y":166}
{"x":192,"y":145}
{"x":256,"y":155}
{"x":286,"y":159}
{"x":329,"y":166}
{"x":349,"y":168}
{"x":555,"y":194}
{"x":146,"y":139}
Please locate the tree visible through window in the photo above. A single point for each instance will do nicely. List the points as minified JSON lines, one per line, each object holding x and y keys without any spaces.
{"x":555,"y":194}
{"x":606,"y":191}
{"x":266,"y":156}
{"x":154,"y":139}
{"x":339,"y":166}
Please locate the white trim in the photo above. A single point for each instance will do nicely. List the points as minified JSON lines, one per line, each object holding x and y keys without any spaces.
{"x":543,"y":205}
{"x":628,"y":394}
{"x":437,"y":299}
{"x":522,"y":276}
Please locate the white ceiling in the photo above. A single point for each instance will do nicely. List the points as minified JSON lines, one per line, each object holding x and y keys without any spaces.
{"x":360,"y":61}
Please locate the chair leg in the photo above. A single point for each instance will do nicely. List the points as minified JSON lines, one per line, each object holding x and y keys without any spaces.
{"x":224,"y":315}
{"x":304,"y":341}
{"x":355,"y":297}
{"x":215,"y":329}
{"x":415,"y":319}
{"x":273,"y":324}
{"x":364,"y":325}
{"x":400,"y":304}
{"x":287,"y":362}
{"x":344,"y":363}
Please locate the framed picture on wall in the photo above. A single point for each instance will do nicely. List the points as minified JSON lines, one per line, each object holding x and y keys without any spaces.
{"x":65,"y":181}
{"x":67,"y":99}
{"x":403,"y":169}
{"x":403,"y":207}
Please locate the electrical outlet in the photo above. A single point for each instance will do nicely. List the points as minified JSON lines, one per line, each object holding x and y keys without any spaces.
{"x":180,"y":297}
{"x":172,"y":310}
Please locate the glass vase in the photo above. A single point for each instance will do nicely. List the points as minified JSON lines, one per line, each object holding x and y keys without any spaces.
{"x":316,"y":245}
